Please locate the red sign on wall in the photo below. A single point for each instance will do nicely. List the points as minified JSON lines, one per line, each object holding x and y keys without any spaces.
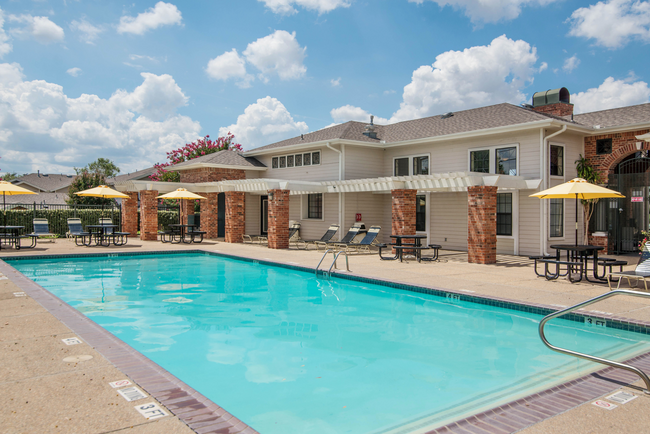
{"x":637,"y":199}
{"x":358,"y":218}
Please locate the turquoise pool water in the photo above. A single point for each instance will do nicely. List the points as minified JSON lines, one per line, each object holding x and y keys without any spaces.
{"x":289,"y":353}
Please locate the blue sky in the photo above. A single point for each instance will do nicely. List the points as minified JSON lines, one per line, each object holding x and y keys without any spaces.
{"x":84,"y":79}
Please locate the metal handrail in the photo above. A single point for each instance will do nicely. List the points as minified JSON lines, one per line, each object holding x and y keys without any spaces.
{"x":547,"y":318}
{"x":347,"y":265}
{"x":321,"y":260}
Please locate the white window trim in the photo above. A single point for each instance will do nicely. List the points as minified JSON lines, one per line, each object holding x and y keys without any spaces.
{"x":411,"y":157}
{"x":562,"y":177}
{"x":304,"y":203}
{"x":427,"y":227}
{"x":493,"y":153}
{"x":294,"y":160}
{"x":515,"y":215}
{"x":563,"y":237}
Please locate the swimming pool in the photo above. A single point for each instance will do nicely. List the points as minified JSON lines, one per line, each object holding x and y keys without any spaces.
{"x":287,"y":352}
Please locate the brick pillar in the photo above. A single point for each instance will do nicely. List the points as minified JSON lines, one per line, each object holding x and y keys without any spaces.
{"x":279,"y":219}
{"x":403,"y":209}
{"x":235,"y":216}
{"x":186,"y":208}
{"x":130,"y":213}
{"x":482,"y":225}
{"x":148,"y":215}
{"x":209,"y":214}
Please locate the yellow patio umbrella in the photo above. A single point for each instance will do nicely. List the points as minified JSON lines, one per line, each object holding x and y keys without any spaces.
{"x":103,"y":191}
{"x":10,"y":189}
{"x":180,"y":193}
{"x":577,"y":188}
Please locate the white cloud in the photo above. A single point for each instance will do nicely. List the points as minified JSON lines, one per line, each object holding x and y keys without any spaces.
{"x":161,"y":14}
{"x":611,"y":94}
{"x":51,"y":132}
{"x":460,"y":80}
{"x":278,"y":53}
{"x":89,"y":33}
{"x":489,"y":11}
{"x":614,"y":23}
{"x":336,"y":83}
{"x":285,"y":7}
{"x":351,"y":113}
{"x":571,"y":63}
{"x":5,"y":45}
{"x":267,"y":121}
{"x":41,"y":29}
{"x":229,"y":65}
{"x":543,"y":67}
{"x":74,"y":71}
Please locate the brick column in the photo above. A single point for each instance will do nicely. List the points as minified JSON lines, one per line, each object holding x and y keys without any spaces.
{"x":148,"y":215}
{"x":235,"y":216}
{"x":209,"y":214}
{"x":403,"y":210}
{"x":130,"y":213}
{"x":482,"y":225}
{"x":279,"y":219}
{"x":186,"y":208}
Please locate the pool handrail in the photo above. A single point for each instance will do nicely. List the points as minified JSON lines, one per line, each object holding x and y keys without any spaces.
{"x":612,"y":363}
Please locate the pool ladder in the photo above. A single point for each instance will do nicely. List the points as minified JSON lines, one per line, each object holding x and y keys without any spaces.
{"x":336,"y":255}
{"x":547,"y":318}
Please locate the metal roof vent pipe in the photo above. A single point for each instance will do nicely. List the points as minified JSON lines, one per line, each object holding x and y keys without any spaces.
{"x":370,"y":129}
{"x":555,"y":102}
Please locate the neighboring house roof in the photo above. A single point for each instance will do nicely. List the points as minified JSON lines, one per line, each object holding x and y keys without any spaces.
{"x":45,"y":182}
{"x":47,"y":198}
{"x":225,"y":158}
{"x":636,"y":114}
{"x":140,"y":174}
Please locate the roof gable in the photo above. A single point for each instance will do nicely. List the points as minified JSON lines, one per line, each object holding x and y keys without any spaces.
{"x":225,"y":158}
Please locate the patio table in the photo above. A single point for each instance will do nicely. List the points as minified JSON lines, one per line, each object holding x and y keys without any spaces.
{"x":101,"y":234}
{"x":186,"y":233}
{"x":12,"y":236}
{"x":400,"y":246}
{"x":582,"y":253}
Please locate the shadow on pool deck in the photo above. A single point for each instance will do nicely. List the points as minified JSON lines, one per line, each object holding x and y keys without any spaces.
{"x":43,"y":393}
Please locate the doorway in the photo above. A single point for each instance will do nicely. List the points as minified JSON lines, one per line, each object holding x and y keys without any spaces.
{"x":264,"y":215}
{"x":221,"y":215}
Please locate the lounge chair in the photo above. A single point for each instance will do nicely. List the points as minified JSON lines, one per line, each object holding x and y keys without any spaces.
{"x":76,"y":231}
{"x":264,"y":239}
{"x":363,"y":245}
{"x":41,"y":229}
{"x":304,"y":244}
{"x":641,"y":272}
{"x":348,"y":238}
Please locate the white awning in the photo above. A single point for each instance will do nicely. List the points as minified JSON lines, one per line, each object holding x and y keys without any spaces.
{"x":256,"y":185}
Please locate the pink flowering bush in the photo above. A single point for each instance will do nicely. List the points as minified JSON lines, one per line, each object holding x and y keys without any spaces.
{"x":642,"y":243}
{"x":190,"y":151}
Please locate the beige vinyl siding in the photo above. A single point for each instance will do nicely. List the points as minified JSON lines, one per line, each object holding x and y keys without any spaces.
{"x":252,"y":217}
{"x":529,"y":214}
{"x":505,"y":246}
{"x":328,"y":170}
{"x":449,"y":220}
{"x":363,"y":162}
{"x":314,"y":229}
{"x":372,"y":210}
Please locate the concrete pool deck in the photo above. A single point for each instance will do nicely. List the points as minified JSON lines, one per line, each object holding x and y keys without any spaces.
{"x":42,"y":392}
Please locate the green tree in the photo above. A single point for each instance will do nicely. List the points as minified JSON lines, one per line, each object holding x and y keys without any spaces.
{"x":587,"y":172}
{"x":103,"y":166}
{"x":83,"y":181}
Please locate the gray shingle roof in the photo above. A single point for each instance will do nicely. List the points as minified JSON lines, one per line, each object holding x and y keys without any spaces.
{"x":635,"y":114}
{"x":29,"y":199}
{"x":225,"y":158}
{"x":45,"y":182}
{"x":140,"y":174}
{"x":499,"y":115}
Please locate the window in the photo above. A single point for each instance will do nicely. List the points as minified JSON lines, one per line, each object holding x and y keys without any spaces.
{"x":480,"y":161}
{"x":274,"y":163}
{"x":298,"y":160}
{"x":289,"y":160}
{"x":401,"y":167}
{"x":412,"y":165}
{"x":315,"y":206}
{"x":504,"y":213}
{"x":283,"y":162}
{"x":420,"y":213}
{"x":506,"y":159}
{"x":603,"y":146}
{"x":315,"y":158}
{"x":557,"y":160}
{"x":420,"y":165}
{"x":306,"y":159}
{"x":557,"y":218}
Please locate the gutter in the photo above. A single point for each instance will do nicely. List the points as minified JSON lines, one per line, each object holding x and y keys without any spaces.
{"x":341,"y":199}
{"x":544,"y":185}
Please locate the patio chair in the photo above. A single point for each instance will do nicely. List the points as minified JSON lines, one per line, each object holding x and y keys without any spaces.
{"x":348,"y":238}
{"x":641,"y":272}
{"x":41,"y":229}
{"x":76,"y":231}
{"x":304,"y":244}
{"x":363,"y":245}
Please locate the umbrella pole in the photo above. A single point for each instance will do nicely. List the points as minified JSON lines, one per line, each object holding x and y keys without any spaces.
{"x":576,"y":219}
{"x":4,"y":209}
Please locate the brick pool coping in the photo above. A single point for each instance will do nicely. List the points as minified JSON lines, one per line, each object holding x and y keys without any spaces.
{"x":203,"y":416}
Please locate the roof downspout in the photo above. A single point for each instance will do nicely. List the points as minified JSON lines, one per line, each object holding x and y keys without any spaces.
{"x":341,"y":200}
{"x":544,"y":186}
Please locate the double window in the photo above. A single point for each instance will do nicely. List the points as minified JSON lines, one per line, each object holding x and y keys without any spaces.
{"x":412,"y":165}
{"x":296,"y":160}
{"x":499,"y":160}
{"x":312,"y":206}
